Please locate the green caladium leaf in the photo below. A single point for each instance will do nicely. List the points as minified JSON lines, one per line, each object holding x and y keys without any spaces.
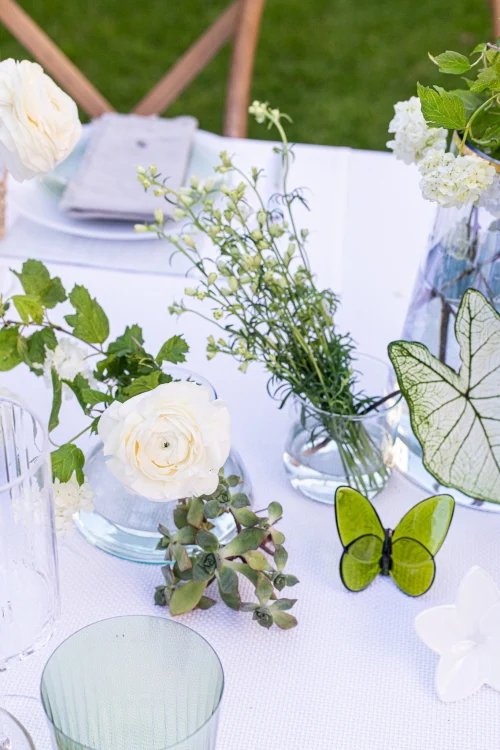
{"x":28,"y":307}
{"x":10,"y":355}
{"x":37,"y":283}
{"x":56,"y":400}
{"x":456,"y":416}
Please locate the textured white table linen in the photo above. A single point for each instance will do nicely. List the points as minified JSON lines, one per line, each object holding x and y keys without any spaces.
{"x":353,"y":675}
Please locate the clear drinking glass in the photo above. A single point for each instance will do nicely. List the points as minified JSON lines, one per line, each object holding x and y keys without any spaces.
{"x":29,"y":593}
{"x":138,"y":682}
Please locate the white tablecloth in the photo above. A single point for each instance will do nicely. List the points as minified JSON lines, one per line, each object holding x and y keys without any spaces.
{"x":352,"y":675}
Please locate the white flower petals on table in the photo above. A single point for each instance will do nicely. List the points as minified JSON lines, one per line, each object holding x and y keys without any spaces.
{"x":167,"y":443}
{"x":413,"y":138}
{"x":466,"y":635}
{"x":39,"y":123}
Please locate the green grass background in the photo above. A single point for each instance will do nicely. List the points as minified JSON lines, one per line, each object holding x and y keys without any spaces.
{"x":336,"y":66}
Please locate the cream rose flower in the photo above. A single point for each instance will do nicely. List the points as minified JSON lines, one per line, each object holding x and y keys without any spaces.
{"x":167,"y":443}
{"x":39,"y":123}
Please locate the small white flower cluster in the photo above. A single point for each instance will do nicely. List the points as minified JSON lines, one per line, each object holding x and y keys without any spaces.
{"x":68,"y":359}
{"x":69,"y":498}
{"x":413,"y":138}
{"x":454,"y":180}
{"x":447,"y":179}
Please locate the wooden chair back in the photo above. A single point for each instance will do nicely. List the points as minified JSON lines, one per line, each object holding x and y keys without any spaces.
{"x":240,"y":21}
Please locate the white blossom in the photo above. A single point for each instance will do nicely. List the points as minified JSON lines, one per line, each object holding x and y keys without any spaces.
{"x":68,"y":359}
{"x":69,"y":498}
{"x":413,"y":138}
{"x":454,"y":180}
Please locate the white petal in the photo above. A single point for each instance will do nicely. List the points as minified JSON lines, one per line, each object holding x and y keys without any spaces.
{"x":440,"y":628}
{"x":477,"y":593}
{"x":460,"y":674}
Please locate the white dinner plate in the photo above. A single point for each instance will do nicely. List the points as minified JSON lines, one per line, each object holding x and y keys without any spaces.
{"x":38,"y":200}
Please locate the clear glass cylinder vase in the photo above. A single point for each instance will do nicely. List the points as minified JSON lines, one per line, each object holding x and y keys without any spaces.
{"x":325,"y":451}
{"x":125,"y":524}
{"x":463,"y":252}
{"x":29,"y":589}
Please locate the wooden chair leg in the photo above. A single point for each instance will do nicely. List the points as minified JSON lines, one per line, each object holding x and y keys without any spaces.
{"x":495,"y":11}
{"x":55,"y":62}
{"x":240,"y":77}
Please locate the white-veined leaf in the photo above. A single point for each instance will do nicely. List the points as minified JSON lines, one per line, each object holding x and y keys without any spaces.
{"x":456,"y":417}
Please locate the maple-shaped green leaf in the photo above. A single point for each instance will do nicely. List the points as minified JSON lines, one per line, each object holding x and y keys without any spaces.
{"x":456,"y":416}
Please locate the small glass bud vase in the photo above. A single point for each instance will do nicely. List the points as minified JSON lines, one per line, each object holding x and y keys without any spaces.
{"x":125,"y":524}
{"x":325,"y":451}
{"x":463,"y":252}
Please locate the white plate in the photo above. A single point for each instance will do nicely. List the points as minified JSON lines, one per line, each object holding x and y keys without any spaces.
{"x":38,"y":200}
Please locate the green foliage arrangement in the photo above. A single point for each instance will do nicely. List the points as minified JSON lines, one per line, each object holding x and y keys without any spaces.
{"x":119,"y":369}
{"x":256,"y":554}
{"x":262,"y":295}
{"x":473,"y":110}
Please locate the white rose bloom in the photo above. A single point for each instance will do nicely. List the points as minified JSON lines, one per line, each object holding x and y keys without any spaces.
{"x":413,"y":138}
{"x":490,"y":199}
{"x":168,"y":443}
{"x":454,"y":180}
{"x":68,"y":359}
{"x":39,"y":123}
{"x":69,"y":498}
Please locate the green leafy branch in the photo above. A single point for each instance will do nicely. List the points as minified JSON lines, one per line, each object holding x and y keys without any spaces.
{"x":121,"y":368}
{"x":196,"y":559}
{"x":473,"y":111}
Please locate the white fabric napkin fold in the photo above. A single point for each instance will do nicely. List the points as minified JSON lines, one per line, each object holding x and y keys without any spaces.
{"x":106,"y":187}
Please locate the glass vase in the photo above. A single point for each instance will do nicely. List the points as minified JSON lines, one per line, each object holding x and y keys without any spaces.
{"x":463,"y":252}
{"x":131,"y":683}
{"x":125,"y":524}
{"x":325,"y":451}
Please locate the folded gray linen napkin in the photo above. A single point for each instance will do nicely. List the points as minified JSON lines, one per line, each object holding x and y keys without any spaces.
{"x":105,"y":185}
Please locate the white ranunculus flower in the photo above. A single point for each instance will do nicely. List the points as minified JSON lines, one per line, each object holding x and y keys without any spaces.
{"x":413,"y":138}
{"x":454,"y":180}
{"x":68,"y":359}
{"x":168,"y":443}
{"x":69,"y":498}
{"x":39,"y":123}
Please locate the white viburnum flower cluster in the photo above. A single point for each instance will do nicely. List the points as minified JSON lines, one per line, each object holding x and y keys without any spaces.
{"x":454,"y":180}
{"x":69,"y":498}
{"x":68,"y":359}
{"x":413,"y":138}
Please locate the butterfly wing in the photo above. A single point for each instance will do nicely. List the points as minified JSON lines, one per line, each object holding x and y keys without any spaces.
{"x":362,"y":536}
{"x":355,"y":516}
{"x":360,"y":562}
{"x":427,"y":522}
{"x":413,"y":567}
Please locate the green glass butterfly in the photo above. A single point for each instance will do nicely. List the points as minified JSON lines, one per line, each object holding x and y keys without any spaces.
{"x":405,"y":553}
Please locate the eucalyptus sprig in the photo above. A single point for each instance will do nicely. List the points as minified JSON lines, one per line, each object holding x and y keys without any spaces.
{"x":196,"y":559}
{"x":473,"y":111}
{"x":115,"y":369}
{"x":260,"y":292}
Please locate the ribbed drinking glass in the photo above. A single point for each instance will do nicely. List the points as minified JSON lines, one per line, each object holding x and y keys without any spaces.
{"x":137,"y":682}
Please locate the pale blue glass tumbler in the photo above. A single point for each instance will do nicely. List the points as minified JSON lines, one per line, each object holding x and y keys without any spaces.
{"x":133,"y":683}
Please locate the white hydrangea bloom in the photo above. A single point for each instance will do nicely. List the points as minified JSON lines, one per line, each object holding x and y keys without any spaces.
{"x":413,"y":138}
{"x":69,"y":498}
{"x":68,"y":359}
{"x":490,"y":199}
{"x":454,"y":180}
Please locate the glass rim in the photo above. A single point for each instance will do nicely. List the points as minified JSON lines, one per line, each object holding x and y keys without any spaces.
{"x":168,"y":623}
{"x":185,"y":374}
{"x":35,"y":463}
{"x":373,"y":413}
